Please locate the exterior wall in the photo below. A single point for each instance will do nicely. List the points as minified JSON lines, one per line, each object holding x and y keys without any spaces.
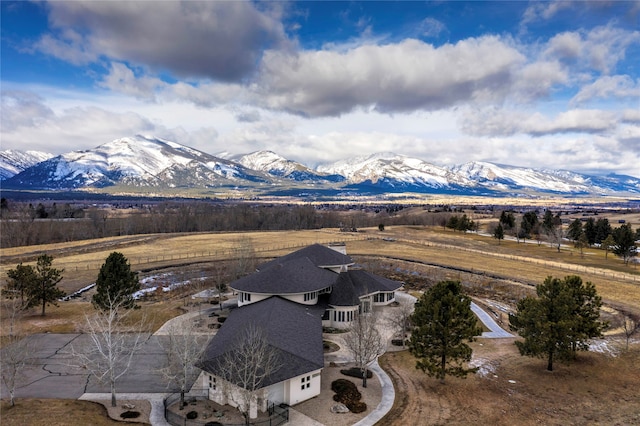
{"x":291,"y":392}
{"x":225,"y":393}
{"x":384,"y":298}
{"x":255,"y":297}
{"x":341,"y":316}
{"x":303,"y":387}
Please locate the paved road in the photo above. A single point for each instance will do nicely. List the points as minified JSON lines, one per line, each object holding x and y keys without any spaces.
{"x":496,"y":331}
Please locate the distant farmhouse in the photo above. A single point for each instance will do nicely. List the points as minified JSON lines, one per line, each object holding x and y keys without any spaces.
{"x":291,"y":299}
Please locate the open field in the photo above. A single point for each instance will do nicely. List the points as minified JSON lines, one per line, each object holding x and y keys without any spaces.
{"x":584,"y":392}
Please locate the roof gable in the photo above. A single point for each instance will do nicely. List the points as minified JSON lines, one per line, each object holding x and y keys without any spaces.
{"x":321,"y":256}
{"x":286,"y":276}
{"x":366,"y":283}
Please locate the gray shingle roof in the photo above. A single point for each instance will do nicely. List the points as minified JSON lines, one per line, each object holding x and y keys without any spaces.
{"x":294,"y":330}
{"x":353,"y":284}
{"x":320,"y":255}
{"x":366,"y":282}
{"x":286,"y":276}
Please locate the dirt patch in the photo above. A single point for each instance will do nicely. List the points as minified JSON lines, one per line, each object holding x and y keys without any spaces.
{"x":54,"y":412}
{"x":128,"y":405}
{"x":511,"y":389}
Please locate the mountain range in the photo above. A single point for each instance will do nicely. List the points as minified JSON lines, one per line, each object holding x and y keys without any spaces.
{"x":146,"y":164}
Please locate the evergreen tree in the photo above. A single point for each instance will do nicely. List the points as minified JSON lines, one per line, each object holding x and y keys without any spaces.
{"x":116,"y":283}
{"x":559,"y":321}
{"x":19,"y":281}
{"x":507,"y":219}
{"x":43,"y":288}
{"x":603,"y":230}
{"x":625,"y":246}
{"x":528,"y":225}
{"x":590,"y":231}
{"x":498,"y":234}
{"x":575,"y":230}
{"x":443,"y":321}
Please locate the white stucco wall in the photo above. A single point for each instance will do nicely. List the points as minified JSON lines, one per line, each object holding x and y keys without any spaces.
{"x":311,"y":386}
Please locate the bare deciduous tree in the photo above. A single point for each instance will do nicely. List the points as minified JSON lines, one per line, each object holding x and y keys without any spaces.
{"x":246,"y":366}
{"x":365,"y":343}
{"x":113,"y":341}
{"x":630,"y":325}
{"x":14,"y":358}
{"x":399,"y":316}
{"x":244,"y":257}
{"x":16,"y":347}
{"x":184,"y":347}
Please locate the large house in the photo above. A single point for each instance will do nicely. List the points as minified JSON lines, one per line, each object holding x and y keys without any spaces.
{"x":291,"y":299}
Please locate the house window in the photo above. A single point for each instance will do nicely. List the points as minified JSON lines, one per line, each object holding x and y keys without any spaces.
{"x":310,"y":296}
{"x":247,"y":297}
{"x":212,"y":382}
{"x":305,"y":383}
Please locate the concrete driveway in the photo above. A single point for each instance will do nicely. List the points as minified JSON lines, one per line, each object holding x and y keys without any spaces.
{"x":52,"y":371}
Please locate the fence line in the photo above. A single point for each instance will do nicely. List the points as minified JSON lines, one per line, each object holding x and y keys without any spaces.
{"x":570,"y":267}
{"x":226,"y":253}
{"x":278,"y":415}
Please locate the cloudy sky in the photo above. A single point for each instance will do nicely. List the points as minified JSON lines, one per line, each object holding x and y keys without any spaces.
{"x":535,"y":84}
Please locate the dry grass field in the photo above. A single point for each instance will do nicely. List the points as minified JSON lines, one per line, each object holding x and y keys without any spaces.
{"x":597,"y":389}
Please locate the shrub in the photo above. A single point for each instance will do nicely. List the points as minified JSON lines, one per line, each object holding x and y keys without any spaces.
{"x":356,"y":372}
{"x":348,"y":394}
{"x":192,"y":415}
{"x":130,"y":415}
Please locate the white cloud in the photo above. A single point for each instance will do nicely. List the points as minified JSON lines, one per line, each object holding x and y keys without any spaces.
{"x":502,"y":122}
{"x":217,"y":40}
{"x":608,"y":87}
{"x":431,"y":27}
{"x":396,"y":77}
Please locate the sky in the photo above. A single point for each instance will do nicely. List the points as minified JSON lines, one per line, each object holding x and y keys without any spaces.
{"x":552,"y":85}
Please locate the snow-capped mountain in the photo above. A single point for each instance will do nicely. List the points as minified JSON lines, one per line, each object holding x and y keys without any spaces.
{"x":137,"y":161}
{"x":396,"y":171}
{"x":13,"y":162}
{"x":147,"y":162}
{"x":506,"y":178}
{"x":275,"y":165}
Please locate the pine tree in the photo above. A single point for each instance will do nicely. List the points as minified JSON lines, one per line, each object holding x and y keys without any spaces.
{"x":498,"y":234}
{"x":625,"y":246}
{"x":43,"y":288}
{"x":116,"y":283}
{"x":575,"y":230}
{"x":443,"y":321}
{"x":559,"y":321}
{"x":19,"y":281}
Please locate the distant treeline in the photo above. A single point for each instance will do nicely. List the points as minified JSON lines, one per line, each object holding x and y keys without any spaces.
{"x":25,"y":223}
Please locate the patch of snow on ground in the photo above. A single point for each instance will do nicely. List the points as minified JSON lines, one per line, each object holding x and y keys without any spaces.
{"x":485,"y":367}
{"x":603,"y":347}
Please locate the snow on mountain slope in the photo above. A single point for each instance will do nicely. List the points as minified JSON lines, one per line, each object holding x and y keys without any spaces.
{"x":510,"y":177}
{"x":140,"y":160}
{"x":144,"y":161}
{"x":394,"y":168}
{"x":13,"y":162}
{"x":275,"y":165}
